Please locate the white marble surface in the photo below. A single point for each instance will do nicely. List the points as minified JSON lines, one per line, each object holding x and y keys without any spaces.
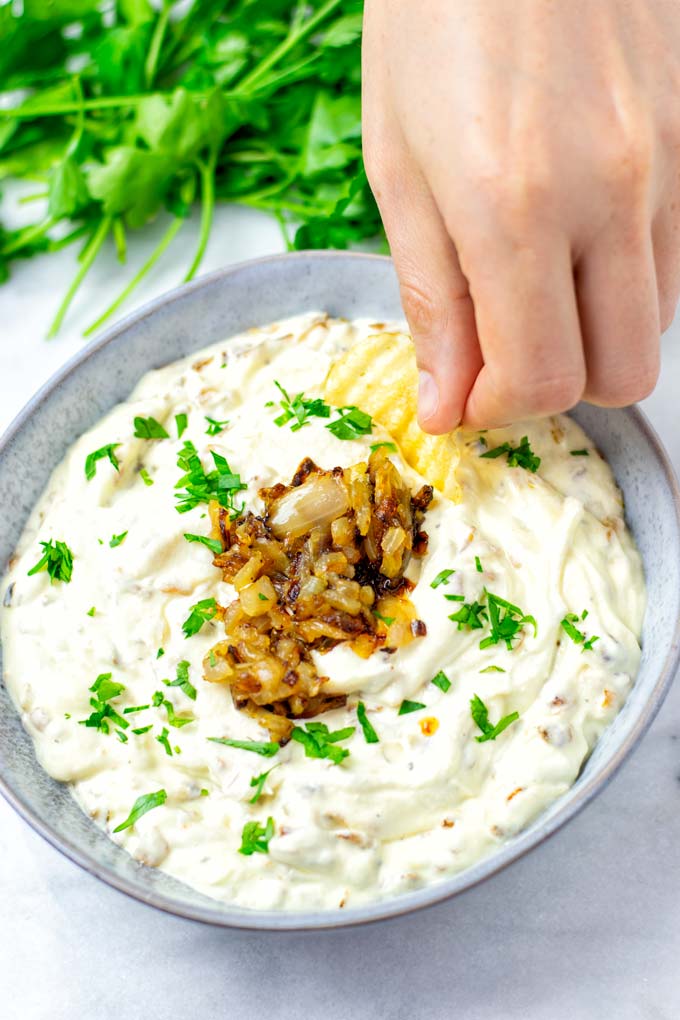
{"x":586,"y":927}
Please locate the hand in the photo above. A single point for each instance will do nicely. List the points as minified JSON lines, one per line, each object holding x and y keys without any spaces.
{"x":525,"y":155}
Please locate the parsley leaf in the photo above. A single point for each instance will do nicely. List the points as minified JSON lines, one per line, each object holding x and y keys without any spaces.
{"x":299,"y":409}
{"x":118,"y":539}
{"x":518,"y":456}
{"x":215,"y":427}
{"x":255,"y":837}
{"x":200,"y":613}
{"x":471,"y":615}
{"x":492,"y":669}
{"x":441,"y":578}
{"x":145,"y":476}
{"x":258,"y":782}
{"x":441,"y":681}
{"x":267,"y":750}
{"x":182,"y":680}
{"x":480,"y":715}
{"x":351,"y":424}
{"x":159,"y":700}
{"x":507,"y":620}
{"x":213,"y":544}
{"x":370,"y":735}
{"x":478,"y":565}
{"x":392,"y":447}
{"x":103,"y":714}
{"x":102,"y":453}
{"x":57,"y":560}
{"x":220,"y":484}
{"x":149,"y":428}
{"x":580,"y":453}
{"x":319,"y":742}
{"x":576,"y":635}
{"x":145,"y":803}
{"x":181,"y":421}
{"x":407,"y":707}
{"x":164,"y":741}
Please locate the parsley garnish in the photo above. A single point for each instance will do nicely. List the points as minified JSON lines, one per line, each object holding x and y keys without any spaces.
{"x":319,"y":742}
{"x":576,"y":635}
{"x":267,"y":750}
{"x":181,"y":421}
{"x":370,"y":735}
{"x":57,"y":560}
{"x":164,"y":742}
{"x":104,"y":689}
{"x":255,"y":838}
{"x":387,"y":620}
{"x":471,"y":614}
{"x":580,"y":453}
{"x":149,"y":428}
{"x":506,"y":619}
{"x":407,"y":707}
{"x":200,"y":613}
{"x":103,"y":452}
{"x":213,"y":544}
{"x":441,"y":681}
{"x":258,"y":782}
{"x":201,"y":487}
{"x":118,"y":539}
{"x":215,"y":427}
{"x":182,"y":680}
{"x":134,"y":708}
{"x":92,"y":611}
{"x":142,"y":729}
{"x":492,"y":669}
{"x":160,"y":653}
{"x":441,"y":578}
{"x":160,"y":701}
{"x":518,"y":456}
{"x":478,"y":565}
{"x":145,"y":476}
{"x":299,"y":408}
{"x":351,"y":424}
{"x":480,"y":714}
{"x":145,"y":803}
{"x":392,"y":447}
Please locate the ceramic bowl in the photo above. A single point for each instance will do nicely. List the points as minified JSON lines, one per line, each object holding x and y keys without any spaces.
{"x":207,"y":311}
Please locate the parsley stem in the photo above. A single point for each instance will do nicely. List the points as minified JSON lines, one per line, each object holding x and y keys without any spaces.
{"x":207,"y":207}
{"x":89,"y":254}
{"x":151,"y":63}
{"x":136,"y":279}
{"x":297,"y":34}
{"x":28,"y":235}
{"x":57,"y":109}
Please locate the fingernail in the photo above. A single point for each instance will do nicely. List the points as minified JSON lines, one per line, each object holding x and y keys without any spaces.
{"x":428,"y":395}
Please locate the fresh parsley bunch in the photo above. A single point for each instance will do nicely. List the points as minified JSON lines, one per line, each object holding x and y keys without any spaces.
{"x":122,"y":111}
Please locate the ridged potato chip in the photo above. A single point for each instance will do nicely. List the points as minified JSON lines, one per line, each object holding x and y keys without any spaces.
{"x":380,"y":376}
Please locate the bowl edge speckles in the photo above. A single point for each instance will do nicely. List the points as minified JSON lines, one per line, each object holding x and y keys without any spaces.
{"x":215,"y":307}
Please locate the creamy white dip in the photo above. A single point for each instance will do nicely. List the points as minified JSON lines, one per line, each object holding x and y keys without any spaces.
{"x":425,"y":801}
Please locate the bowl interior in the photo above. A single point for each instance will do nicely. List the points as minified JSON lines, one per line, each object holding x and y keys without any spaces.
{"x":208,"y":311}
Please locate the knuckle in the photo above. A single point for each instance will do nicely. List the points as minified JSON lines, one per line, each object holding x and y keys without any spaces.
{"x":518,"y":199}
{"x":549,"y":394}
{"x":425,"y":313}
{"x":628,"y":389}
{"x":624,"y":162}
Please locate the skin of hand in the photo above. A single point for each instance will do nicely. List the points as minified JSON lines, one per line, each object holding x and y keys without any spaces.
{"x":525,"y":156}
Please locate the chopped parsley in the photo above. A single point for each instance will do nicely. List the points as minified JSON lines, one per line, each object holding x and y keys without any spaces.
{"x":182,"y":680}
{"x":580,"y":453}
{"x":267,"y":750}
{"x":57,"y":560}
{"x":492,"y":669}
{"x":480,"y":715}
{"x":213,"y":544}
{"x":160,"y":653}
{"x":441,"y":681}
{"x":92,"y":611}
{"x":164,"y":742}
{"x":200,"y":613}
{"x":506,"y":620}
{"x":160,"y":701}
{"x":145,"y":476}
{"x":478,"y":565}
{"x":255,"y":838}
{"x":215,"y":427}
{"x":149,"y":428}
{"x":104,"y":452}
{"x":181,"y":421}
{"x":370,"y":736}
{"x":568,"y":625}
{"x":300,"y":408}
{"x":142,"y":729}
{"x":200,"y":487}
{"x":103,"y":714}
{"x":258,"y":782}
{"x":351,"y":424}
{"x":471,"y":615}
{"x":407,"y":707}
{"x":441,"y":578}
{"x":319,"y":742}
{"x":134,"y":708}
{"x":392,"y":447}
{"x":118,"y":539}
{"x":145,"y":803}
{"x":387,"y":620}
{"x":518,"y":456}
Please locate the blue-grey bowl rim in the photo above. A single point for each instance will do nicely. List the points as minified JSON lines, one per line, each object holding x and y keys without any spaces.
{"x":272,"y":920}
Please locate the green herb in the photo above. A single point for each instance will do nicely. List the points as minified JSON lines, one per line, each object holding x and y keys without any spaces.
{"x":181,"y":421}
{"x":407,"y":707}
{"x":145,"y":803}
{"x":480,"y":715}
{"x":478,"y":564}
{"x":518,"y":456}
{"x":200,"y":613}
{"x":104,"y":452}
{"x":441,"y":681}
{"x":580,"y":453}
{"x":221,"y":484}
{"x":182,"y":680}
{"x":160,"y":653}
{"x":351,"y":424}
{"x":392,"y":447}
{"x":507,"y":621}
{"x":149,"y":428}
{"x":299,"y":408}
{"x":262,"y":597}
{"x":267,"y":750}
{"x":118,"y":539}
{"x":103,"y":714}
{"x":471,"y":615}
{"x":215,"y":427}
{"x":92,"y":611}
{"x":455,"y":598}
{"x":370,"y":735}
{"x":576,"y":635}
{"x":164,"y":742}
{"x":129,"y":110}
{"x":142,"y":729}
{"x":387,"y":620}
{"x":258,"y":782}
{"x":441,"y":578}
{"x":255,"y":837}
{"x":177,"y":721}
{"x":57,"y":560}
{"x":145,"y":476}
{"x":122,"y":736}
{"x":204,"y":792}
{"x":319,"y":742}
{"x":492,"y":669}
{"x":213,"y":544}
{"x":134,"y":708}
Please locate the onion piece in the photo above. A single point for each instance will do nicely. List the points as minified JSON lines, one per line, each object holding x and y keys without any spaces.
{"x":316,"y":503}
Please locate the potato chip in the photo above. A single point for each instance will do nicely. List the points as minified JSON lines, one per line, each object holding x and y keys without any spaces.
{"x":379,"y":375}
